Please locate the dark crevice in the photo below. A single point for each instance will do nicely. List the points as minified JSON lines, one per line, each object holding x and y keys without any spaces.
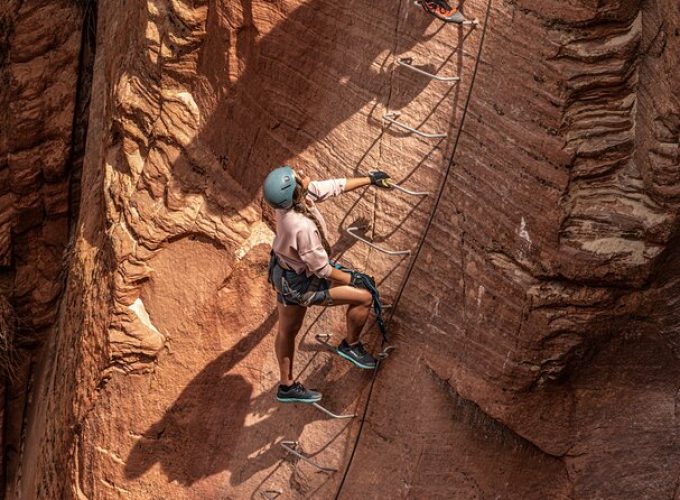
{"x":74,"y":164}
{"x":473,"y":415}
{"x":6,"y":274}
{"x":81,"y":112}
{"x":6,"y":401}
{"x":196,"y":236}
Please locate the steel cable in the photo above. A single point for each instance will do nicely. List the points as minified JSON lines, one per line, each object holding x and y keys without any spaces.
{"x":419,"y":247}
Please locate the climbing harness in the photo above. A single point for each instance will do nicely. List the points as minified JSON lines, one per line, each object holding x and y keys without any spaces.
{"x":292,"y":447}
{"x":298,"y":289}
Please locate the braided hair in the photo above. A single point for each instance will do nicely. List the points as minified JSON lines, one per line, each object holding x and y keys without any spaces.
{"x":300,"y":206}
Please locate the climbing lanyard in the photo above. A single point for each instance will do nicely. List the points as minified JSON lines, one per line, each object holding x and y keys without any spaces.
{"x":369,"y":285}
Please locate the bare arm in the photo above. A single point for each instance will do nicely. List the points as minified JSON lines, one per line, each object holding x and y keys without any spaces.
{"x":356,"y":182}
{"x":376,"y":178}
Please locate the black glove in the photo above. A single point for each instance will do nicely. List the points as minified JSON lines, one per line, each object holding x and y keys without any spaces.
{"x":361,"y":280}
{"x":380,"y":179}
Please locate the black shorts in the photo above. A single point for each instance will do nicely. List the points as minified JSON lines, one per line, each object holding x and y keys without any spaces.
{"x":297,"y":289}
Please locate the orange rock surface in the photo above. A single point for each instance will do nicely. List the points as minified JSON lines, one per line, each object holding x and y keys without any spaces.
{"x":536,"y":329}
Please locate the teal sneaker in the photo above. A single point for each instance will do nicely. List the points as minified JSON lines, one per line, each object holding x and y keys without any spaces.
{"x":357,"y":355}
{"x":296,"y":393}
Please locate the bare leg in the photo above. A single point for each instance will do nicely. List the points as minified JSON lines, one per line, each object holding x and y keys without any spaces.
{"x":359,"y":301}
{"x":290,"y":322}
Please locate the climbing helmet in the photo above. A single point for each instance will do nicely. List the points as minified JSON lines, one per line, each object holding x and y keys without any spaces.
{"x":279,"y":187}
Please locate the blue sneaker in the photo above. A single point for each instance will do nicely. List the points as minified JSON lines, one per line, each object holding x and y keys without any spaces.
{"x":357,"y":355}
{"x":296,"y":393}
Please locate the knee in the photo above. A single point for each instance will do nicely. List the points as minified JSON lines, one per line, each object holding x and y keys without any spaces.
{"x":366,"y":298}
{"x":290,"y":332}
{"x":290,"y":328}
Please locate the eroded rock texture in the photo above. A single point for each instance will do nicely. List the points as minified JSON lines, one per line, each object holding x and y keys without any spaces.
{"x":536,"y":335}
{"x":563,"y":248}
{"x":40,"y":148}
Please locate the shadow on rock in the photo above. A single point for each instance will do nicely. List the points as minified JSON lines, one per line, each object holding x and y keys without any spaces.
{"x":204,"y":431}
{"x":297,"y":86}
{"x":210,"y":410}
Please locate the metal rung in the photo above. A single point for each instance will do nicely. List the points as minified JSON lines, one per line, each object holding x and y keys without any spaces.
{"x":372,"y":245}
{"x":271,"y":494}
{"x":290,"y":446}
{"x":392,"y":185}
{"x":390,"y":117}
{"x":323,"y":338}
{"x":386,"y":352}
{"x":407,"y":62}
{"x":326,"y":410}
{"x":330,"y":413}
{"x":408,"y":191}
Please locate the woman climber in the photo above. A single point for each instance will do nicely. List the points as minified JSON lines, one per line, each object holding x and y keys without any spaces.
{"x":302,"y":275}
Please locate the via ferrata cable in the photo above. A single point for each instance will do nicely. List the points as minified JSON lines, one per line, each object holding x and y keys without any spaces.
{"x":419,"y":247}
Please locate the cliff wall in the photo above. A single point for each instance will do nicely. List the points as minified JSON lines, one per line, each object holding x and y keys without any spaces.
{"x":536,"y":333}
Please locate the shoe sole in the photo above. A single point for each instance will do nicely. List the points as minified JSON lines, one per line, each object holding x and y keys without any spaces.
{"x":438,"y":16}
{"x":355,"y":362}
{"x":296,"y":400}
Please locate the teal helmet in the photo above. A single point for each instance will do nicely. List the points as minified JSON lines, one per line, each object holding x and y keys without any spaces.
{"x":279,"y":187}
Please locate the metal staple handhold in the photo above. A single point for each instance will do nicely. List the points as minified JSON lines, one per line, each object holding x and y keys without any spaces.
{"x":407,"y":62}
{"x":392,"y":185}
{"x":384,"y":354}
{"x":268,"y":494}
{"x":390,"y":117}
{"x":290,"y":446}
{"x":408,"y":191}
{"x":323,"y":338}
{"x":330,"y":413}
{"x":372,"y":245}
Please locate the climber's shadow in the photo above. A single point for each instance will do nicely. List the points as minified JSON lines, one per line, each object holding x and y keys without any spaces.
{"x":204,"y":431}
{"x":287,"y":422}
{"x":300,"y":81}
{"x":211,"y":409}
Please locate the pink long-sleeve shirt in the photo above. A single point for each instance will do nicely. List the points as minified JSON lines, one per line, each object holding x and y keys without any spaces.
{"x":298,"y":241}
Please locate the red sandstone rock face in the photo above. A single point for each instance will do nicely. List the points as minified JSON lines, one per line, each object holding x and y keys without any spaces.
{"x":536,"y":335}
{"x":39,"y":51}
{"x":39,"y":102}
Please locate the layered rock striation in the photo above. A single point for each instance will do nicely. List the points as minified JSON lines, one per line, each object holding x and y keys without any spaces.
{"x":563,"y":250}
{"x":535,"y":332}
{"x":42,"y":127}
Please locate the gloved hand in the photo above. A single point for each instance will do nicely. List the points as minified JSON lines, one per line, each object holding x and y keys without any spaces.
{"x":361,"y":280}
{"x":380,"y":179}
